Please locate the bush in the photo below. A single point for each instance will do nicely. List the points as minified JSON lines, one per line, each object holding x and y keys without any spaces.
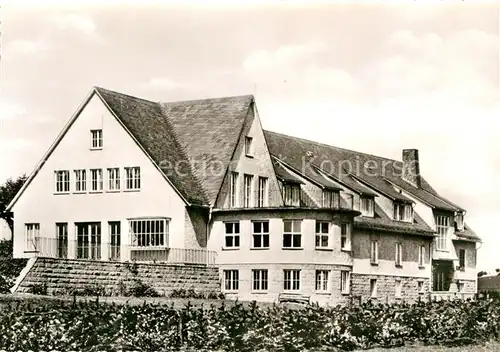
{"x":10,"y":268}
{"x":97,"y":327}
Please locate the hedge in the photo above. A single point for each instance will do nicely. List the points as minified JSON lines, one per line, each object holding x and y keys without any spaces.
{"x":93,"y":326}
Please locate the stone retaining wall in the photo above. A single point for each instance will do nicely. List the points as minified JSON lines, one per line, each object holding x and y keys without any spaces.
{"x":62,"y":276}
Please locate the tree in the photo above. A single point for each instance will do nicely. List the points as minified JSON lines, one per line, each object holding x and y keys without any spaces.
{"x":7,"y":192}
{"x":482,"y":273}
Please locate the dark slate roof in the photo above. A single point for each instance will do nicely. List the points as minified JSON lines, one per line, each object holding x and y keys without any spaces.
{"x":467,"y":234}
{"x":208,"y":131}
{"x":382,"y":222}
{"x":283,"y":174}
{"x":374,"y":170}
{"x":349,"y":182}
{"x":488,"y":283}
{"x":145,"y":121}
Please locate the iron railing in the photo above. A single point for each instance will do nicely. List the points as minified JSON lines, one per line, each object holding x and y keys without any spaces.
{"x":72,"y":249}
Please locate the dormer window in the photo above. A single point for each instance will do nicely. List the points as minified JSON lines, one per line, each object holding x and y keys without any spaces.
{"x":330,"y":199}
{"x":403,"y":212}
{"x":291,"y":194}
{"x":367,"y":206}
{"x":95,"y":139}
{"x":459,"y":221}
{"x":249,"y":146}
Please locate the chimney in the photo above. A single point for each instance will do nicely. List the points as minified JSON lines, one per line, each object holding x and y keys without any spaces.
{"x":411,"y":167}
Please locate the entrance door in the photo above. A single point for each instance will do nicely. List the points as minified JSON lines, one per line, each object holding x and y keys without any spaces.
{"x":88,"y":236}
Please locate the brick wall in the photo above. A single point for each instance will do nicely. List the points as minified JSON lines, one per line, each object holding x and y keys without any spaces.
{"x":63,"y":275}
{"x":386,"y":288}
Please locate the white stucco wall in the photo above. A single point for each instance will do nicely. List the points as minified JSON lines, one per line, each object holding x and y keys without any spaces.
{"x":39,"y":204}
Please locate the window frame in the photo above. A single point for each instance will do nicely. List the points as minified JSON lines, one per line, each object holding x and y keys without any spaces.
{"x":292,"y":280}
{"x":80,"y":181}
{"x":248,"y":201}
{"x":403,"y":212}
{"x":347,"y":236}
{"x":330,"y":199}
{"x":231,"y":277}
{"x":133,"y":177}
{"x":321,"y":235}
{"x":421,"y":256}
{"x":98,"y":139}
{"x":293,"y":234}
{"x":233,"y":189}
{"x":261,"y":281}
{"x":115,"y":235}
{"x":32,"y":236}
{"x":291,"y":194}
{"x":369,"y":211}
{"x":398,"y":258}
{"x":442,"y":230}
{"x":322,"y":281}
{"x":137,"y":245}
{"x":462,"y":261}
{"x":373,"y":288}
{"x":262,"y":192}
{"x":114,"y":178}
{"x":249,"y":152}
{"x":398,"y":288}
{"x":98,"y":182}
{"x":236,"y":236}
{"x":374,"y":252}
{"x":65,"y":181}
{"x":262,"y":234}
{"x":345,"y":282}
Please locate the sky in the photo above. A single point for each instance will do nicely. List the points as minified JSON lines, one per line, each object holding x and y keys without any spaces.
{"x":376,"y":77}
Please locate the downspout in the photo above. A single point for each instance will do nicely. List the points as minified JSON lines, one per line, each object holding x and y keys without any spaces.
{"x":208,"y":232}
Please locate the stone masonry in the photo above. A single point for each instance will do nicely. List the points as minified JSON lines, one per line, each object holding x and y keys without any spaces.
{"x":64,"y":275}
{"x":386,"y":288}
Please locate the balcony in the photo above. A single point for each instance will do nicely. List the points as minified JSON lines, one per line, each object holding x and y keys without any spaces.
{"x":95,"y":250}
{"x":319,"y":199}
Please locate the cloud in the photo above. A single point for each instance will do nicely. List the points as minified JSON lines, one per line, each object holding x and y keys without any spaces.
{"x":160,"y":83}
{"x":26,"y":47}
{"x":78,"y":22}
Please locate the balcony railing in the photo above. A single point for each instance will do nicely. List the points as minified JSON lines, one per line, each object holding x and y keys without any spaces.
{"x":72,"y":249}
{"x":319,"y":199}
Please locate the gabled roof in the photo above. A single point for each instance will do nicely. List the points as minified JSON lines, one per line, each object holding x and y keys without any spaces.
{"x":467,"y":234}
{"x":373,"y":171}
{"x":283,"y":174}
{"x":145,"y":121}
{"x":349,"y":182}
{"x":382,"y":222}
{"x":208,"y":131}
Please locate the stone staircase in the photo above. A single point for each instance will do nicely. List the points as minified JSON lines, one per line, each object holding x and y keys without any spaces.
{"x":64,"y":276}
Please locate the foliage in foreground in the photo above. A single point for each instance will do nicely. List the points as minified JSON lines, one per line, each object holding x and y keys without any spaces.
{"x":92,"y":326}
{"x":10,"y":268}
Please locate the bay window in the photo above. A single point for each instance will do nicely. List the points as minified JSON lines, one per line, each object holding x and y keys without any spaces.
{"x":149,"y":232}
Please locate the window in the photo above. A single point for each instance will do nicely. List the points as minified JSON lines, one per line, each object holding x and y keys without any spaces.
{"x":262,"y":194}
{"x":367,"y":206}
{"x":461,"y":259}
{"x":461,"y":286}
{"x":231,"y":280}
{"x":259,"y":280}
{"x":291,"y":280}
{"x":403,"y":212}
{"x":233,"y":190}
{"x":345,"y":236}
{"x":322,"y":229}
{"x":459,"y":221}
{"x":374,"y":252}
{"x":291,"y":195}
{"x":232,"y":237}
{"x":96,"y":139}
{"x":149,"y":232}
{"x":62,"y":240}
{"x":420,"y":286}
{"x":399,"y":255}
{"x":442,"y":226}
{"x":373,"y":288}
{"x":260,"y":236}
{"x":115,"y":243}
{"x":322,"y":280}
{"x":114,"y":179}
{"x":80,"y":180}
{"x":88,"y":236}
{"x":345,"y":282}
{"x":32,"y":236}
{"x":133,"y":178}
{"x":421,"y":256}
{"x":397,"y":292}
{"x":330,"y":199}
{"x":248,"y":181}
{"x":62,"y":181}
{"x":96,"y":180}
{"x":248,"y":146}
{"x":292,"y":236}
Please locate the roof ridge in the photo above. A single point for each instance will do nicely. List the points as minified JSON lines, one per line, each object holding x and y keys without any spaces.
{"x":207,"y":99}
{"x":330,"y":146}
{"x":123,"y":94}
